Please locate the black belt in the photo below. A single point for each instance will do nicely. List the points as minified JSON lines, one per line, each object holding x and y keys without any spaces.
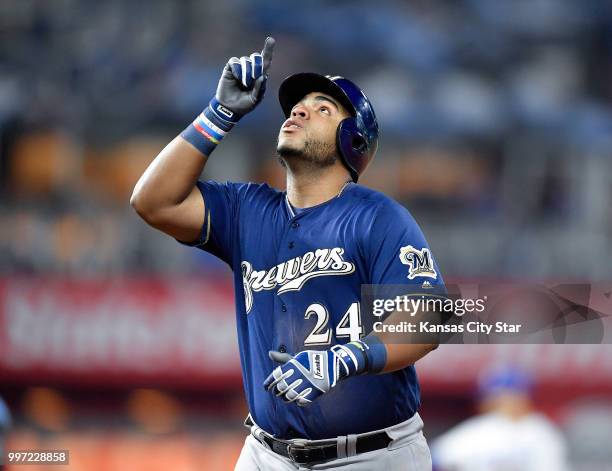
{"x":304,"y":453}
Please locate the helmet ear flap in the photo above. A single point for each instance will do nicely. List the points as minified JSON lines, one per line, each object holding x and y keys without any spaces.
{"x":351,"y":144}
{"x":359,"y":144}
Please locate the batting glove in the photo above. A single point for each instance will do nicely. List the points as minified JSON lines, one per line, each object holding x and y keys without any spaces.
{"x":243,"y":82}
{"x":309,"y":374}
{"x":241,"y":87}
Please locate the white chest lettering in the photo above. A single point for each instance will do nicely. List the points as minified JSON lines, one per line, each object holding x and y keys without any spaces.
{"x":292,"y":274}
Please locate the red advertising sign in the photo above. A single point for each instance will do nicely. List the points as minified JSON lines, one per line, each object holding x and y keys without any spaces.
{"x":121,"y":331}
{"x":181,"y":333}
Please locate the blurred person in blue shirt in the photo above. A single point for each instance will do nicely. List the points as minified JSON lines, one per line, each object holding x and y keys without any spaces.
{"x":5,"y":423}
{"x":508,"y":436}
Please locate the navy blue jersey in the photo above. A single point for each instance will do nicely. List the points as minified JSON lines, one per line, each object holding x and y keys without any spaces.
{"x":298,"y":283}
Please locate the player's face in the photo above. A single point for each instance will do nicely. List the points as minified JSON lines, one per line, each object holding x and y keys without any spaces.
{"x":309,"y":134}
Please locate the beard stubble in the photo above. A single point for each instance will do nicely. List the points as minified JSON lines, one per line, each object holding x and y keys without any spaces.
{"x":313,"y":155}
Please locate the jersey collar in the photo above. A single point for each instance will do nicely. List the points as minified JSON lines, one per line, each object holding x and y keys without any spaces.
{"x":291,"y":211}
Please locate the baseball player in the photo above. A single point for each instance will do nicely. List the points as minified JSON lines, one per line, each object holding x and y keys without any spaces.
{"x":509,"y":434}
{"x":323,"y":390}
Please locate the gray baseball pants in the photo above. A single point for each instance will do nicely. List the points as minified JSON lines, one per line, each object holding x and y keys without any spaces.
{"x":407,"y":451}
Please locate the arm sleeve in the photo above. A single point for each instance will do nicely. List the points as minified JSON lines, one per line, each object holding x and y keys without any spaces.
{"x":398,"y":252}
{"x":218,"y":234}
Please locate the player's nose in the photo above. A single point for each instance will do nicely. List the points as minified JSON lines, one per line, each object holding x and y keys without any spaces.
{"x":300,"y":111}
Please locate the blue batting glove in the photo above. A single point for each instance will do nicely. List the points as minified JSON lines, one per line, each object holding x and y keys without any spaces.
{"x":311,"y":373}
{"x":241,"y":87}
{"x":243,"y":83}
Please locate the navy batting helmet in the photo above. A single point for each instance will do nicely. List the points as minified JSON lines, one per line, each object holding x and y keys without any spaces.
{"x":357,"y":136}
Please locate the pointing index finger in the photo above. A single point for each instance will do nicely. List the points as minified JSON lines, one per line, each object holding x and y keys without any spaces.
{"x":267,"y":52}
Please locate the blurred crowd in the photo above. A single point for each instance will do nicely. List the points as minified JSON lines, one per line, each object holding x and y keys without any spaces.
{"x":496,"y":133}
{"x":496,"y":122}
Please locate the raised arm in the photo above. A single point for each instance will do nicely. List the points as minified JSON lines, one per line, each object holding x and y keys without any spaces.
{"x":166,"y":196}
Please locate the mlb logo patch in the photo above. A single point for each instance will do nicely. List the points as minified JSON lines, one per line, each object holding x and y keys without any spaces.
{"x":420,"y":262}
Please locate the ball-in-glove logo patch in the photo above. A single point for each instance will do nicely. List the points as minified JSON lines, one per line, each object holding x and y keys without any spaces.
{"x":419,"y":262}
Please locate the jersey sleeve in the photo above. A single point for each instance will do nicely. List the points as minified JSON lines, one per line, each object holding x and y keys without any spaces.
{"x":219,"y":232}
{"x":399,"y":253}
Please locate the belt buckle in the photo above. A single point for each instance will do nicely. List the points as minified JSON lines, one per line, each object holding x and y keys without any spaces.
{"x":298,"y":446}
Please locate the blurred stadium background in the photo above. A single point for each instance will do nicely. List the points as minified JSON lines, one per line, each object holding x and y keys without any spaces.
{"x":496,"y":121}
